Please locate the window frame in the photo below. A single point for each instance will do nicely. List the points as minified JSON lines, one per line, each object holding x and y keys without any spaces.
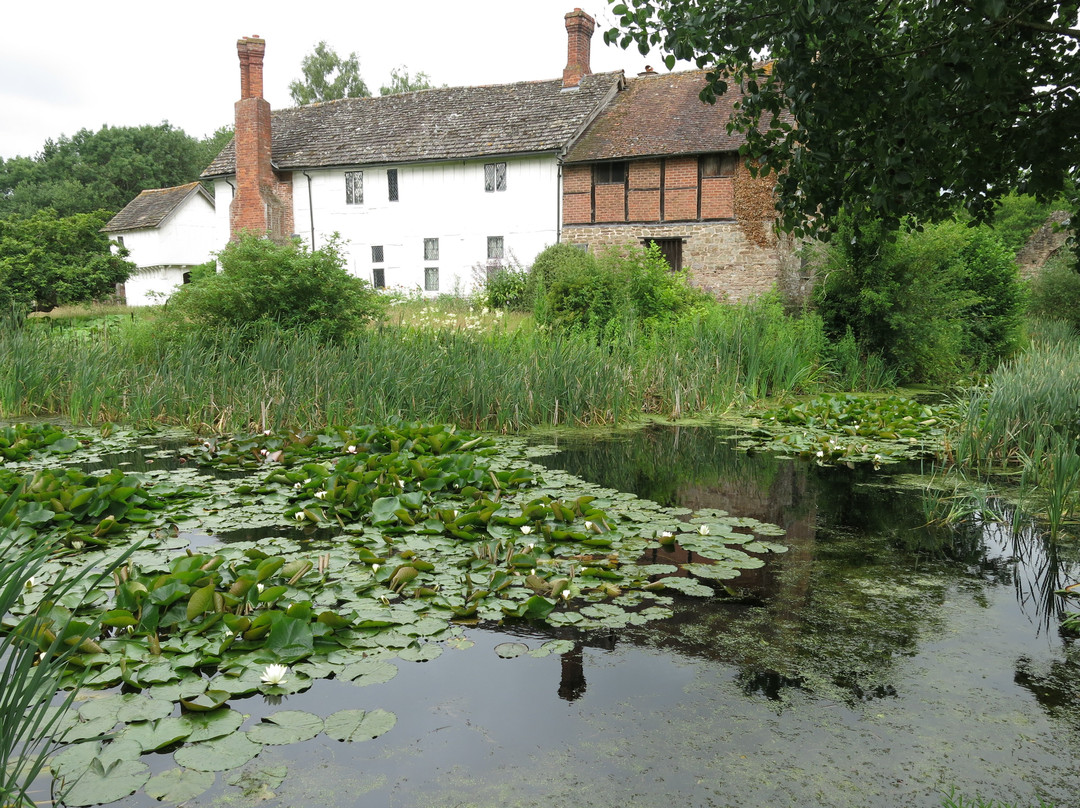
{"x":431,"y":249}
{"x":499,"y":241}
{"x":392,"y":187}
{"x":378,"y":254}
{"x":428,"y":276}
{"x":602,"y":172}
{"x":493,"y":180}
{"x":726,"y":164}
{"x":352,"y":180}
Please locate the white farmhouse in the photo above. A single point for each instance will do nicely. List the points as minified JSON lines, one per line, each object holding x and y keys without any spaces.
{"x":425,"y":189}
{"x":166,"y":232}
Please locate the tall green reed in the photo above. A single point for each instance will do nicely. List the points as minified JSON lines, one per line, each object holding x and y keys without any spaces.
{"x":34,"y":652}
{"x":494,"y":379}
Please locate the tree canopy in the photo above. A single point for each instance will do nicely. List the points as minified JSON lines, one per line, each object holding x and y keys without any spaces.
{"x":328,"y":77}
{"x":103,"y":170}
{"x":48,"y":260}
{"x":402,"y":82}
{"x":893,"y":107}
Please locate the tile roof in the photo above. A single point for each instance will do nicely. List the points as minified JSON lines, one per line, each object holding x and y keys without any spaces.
{"x":659,"y":115}
{"x":440,"y":124}
{"x":151,"y":208}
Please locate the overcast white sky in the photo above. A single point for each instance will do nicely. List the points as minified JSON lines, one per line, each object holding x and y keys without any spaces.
{"x":67,"y":65}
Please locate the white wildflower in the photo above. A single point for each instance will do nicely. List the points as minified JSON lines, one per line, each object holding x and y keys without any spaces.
{"x":526,"y":529}
{"x":703,"y":530}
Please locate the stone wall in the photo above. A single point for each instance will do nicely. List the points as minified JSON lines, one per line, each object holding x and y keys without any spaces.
{"x":718,"y":255}
{"x":1044,"y":244}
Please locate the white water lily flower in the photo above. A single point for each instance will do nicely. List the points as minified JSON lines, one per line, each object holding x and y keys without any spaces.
{"x":566,"y":594}
{"x":229,"y":632}
{"x":298,"y":486}
{"x":350,"y":449}
{"x":666,"y":534}
{"x":374,"y":568}
{"x":588,"y":525}
{"x":268,"y":432}
{"x":300,"y":516}
{"x":30,"y":582}
{"x":820,"y":453}
{"x":320,"y":495}
{"x":263,"y":452}
{"x":274,"y":674}
{"x":703,"y":530}
{"x":259,"y":587}
{"x":526,"y":529}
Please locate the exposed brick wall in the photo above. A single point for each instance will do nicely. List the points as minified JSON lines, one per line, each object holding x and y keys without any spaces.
{"x":610,"y":203}
{"x":263,"y":201}
{"x":717,"y":198}
{"x":579,"y":31}
{"x":718,"y":255}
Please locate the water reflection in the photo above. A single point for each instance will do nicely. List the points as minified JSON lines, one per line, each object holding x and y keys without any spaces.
{"x":862,"y":585}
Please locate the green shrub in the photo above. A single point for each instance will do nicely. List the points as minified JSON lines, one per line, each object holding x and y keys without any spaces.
{"x":1055,"y":291}
{"x":504,"y":287}
{"x":622,"y":289}
{"x":286,"y":285}
{"x":934,"y":302}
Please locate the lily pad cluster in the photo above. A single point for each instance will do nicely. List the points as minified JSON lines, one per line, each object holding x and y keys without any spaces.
{"x":21,"y":441}
{"x":389,"y":541}
{"x":850,"y":428}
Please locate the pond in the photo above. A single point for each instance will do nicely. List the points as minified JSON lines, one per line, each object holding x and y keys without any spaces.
{"x":878,"y":661}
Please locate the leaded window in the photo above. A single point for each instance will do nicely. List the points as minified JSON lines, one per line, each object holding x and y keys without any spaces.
{"x":354,"y":187}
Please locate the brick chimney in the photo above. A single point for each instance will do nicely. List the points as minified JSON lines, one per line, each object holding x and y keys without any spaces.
{"x":579,"y":31}
{"x":263,"y":203}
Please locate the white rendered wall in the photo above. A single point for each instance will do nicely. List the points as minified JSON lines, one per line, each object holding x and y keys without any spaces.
{"x":152,"y":286}
{"x":189,"y":237}
{"x":446,"y":201}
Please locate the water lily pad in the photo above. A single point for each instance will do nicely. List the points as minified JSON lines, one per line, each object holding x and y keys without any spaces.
{"x":423,"y":653}
{"x":510,"y":650}
{"x":178,"y":785}
{"x":101,"y":783}
{"x":552,"y":647}
{"x":259,"y":781}
{"x":368,"y":673}
{"x":287,"y":726}
{"x":126,"y":707}
{"x":207,"y":726}
{"x":459,"y":643}
{"x":358,"y":725}
{"x":154,"y":735}
{"x":219,"y":754}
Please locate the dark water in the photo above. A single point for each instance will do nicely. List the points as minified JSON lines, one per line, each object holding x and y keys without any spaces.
{"x":877,"y":663}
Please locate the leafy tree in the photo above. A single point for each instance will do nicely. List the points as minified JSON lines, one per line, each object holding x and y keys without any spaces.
{"x":101,"y":170}
{"x":286,"y":285}
{"x":934,"y":302}
{"x":402,"y":82}
{"x":905,"y":106}
{"x":328,"y":77}
{"x":48,"y":260}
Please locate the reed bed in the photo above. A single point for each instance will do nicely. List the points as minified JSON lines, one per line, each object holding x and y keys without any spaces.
{"x":498,"y":378}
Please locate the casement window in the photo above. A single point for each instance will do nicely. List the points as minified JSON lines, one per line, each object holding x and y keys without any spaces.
{"x":431,"y":249}
{"x":378,"y":274}
{"x":354,"y":187}
{"x":609,"y":173}
{"x":495,"y":248}
{"x":392,"y":184}
{"x":494,"y":177}
{"x":719,"y":165}
{"x":431,"y":279}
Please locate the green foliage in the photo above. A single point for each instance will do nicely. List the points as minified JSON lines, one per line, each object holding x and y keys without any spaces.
{"x":402,"y":82}
{"x":287,"y":285}
{"x":48,"y":260}
{"x":328,"y":77}
{"x":613,"y":293}
{"x":1055,"y":291}
{"x":904,"y":107}
{"x":103,"y":170}
{"x":505,"y":287}
{"x":934,"y":302}
{"x":1018,"y":216}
